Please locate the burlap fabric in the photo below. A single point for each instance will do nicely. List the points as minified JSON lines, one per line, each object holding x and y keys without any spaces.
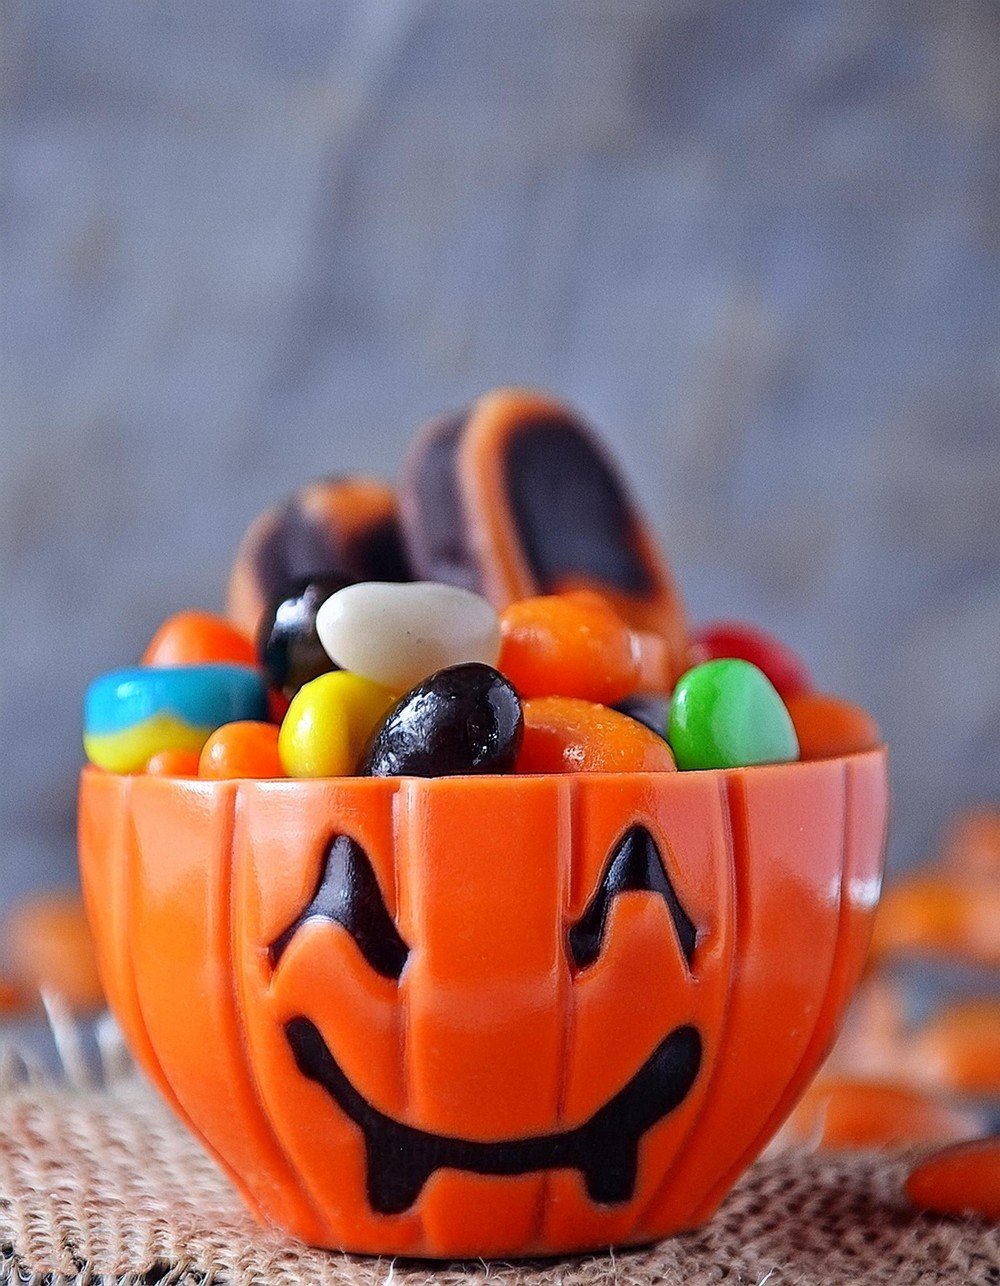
{"x":104,"y":1186}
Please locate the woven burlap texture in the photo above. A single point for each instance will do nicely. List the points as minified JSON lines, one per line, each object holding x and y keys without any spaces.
{"x":105,"y":1186}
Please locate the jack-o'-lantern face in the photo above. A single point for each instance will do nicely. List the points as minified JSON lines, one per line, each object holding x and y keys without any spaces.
{"x":401,"y":1157}
{"x":484,"y":1016}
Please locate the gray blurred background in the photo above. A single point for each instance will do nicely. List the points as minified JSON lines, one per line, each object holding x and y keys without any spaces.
{"x":757,"y":244}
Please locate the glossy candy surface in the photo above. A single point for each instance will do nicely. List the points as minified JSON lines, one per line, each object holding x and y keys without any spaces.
{"x":573,"y":645}
{"x":727,"y":639}
{"x":461,"y":720}
{"x":827,"y":726}
{"x":287,"y":642}
{"x":198,"y":638}
{"x":514,"y":498}
{"x":328,"y":724}
{"x":174,"y":763}
{"x":397,"y":635}
{"x":131,"y":715}
{"x":497,"y":1016}
{"x":332,"y":527}
{"x":726,"y":714}
{"x":963,"y":1179}
{"x":564,"y":734}
{"x":244,"y":749}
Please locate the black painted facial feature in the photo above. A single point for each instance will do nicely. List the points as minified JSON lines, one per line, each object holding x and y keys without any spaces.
{"x":635,"y":864}
{"x":571,"y":513}
{"x":604,"y":1149}
{"x":348,"y":893}
{"x":400,"y":1159}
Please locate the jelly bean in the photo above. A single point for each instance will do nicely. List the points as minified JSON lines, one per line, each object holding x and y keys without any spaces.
{"x":727,"y":714}
{"x":972,"y":842}
{"x":289,"y":647}
{"x":50,"y":950}
{"x":174,"y":763}
{"x":963,"y":1179}
{"x":937,"y":915}
{"x":958,"y":1049}
{"x":565,"y":734}
{"x":827,"y":727}
{"x":131,"y":715}
{"x":844,"y":1113}
{"x":723,"y":640}
{"x":463,"y":719}
{"x":397,"y":635}
{"x":244,"y":749}
{"x":198,"y":638}
{"x":573,"y":645}
{"x":648,"y":709}
{"x":329,"y":722}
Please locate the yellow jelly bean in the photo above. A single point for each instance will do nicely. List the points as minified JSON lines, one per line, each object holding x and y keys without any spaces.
{"x":329,"y":722}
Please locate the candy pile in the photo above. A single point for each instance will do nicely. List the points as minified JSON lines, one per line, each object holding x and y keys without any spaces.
{"x":508,"y":613}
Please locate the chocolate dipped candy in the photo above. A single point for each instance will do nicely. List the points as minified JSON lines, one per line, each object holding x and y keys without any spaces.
{"x":727,"y":714}
{"x":132,"y":715}
{"x":514,"y":499}
{"x":339,"y":527}
{"x":287,"y":641}
{"x":463,"y":720}
{"x":397,"y":635}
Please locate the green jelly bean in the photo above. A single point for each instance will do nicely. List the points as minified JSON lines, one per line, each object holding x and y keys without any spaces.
{"x":727,"y":714}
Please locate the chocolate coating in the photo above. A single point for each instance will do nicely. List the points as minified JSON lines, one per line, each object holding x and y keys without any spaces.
{"x":462,"y":720}
{"x":571,"y":511}
{"x":289,"y":647}
{"x":433,"y":521}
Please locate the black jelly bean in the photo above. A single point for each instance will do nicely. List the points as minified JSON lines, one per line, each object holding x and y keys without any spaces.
{"x":463,"y":719}
{"x":287,"y":642}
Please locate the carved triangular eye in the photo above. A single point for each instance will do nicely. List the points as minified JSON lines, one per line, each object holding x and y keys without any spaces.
{"x":635,"y":864}
{"x":348,"y":893}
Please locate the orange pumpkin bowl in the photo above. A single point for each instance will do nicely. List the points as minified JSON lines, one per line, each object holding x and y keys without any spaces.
{"x":484,"y":1015}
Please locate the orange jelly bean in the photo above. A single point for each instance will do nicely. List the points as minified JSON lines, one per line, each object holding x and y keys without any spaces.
{"x":174,"y":763}
{"x":244,"y":749}
{"x":828,"y":726}
{"x":937,"y":915}
{"x":568,"y":645}
{"x":959,"y":1048}
{"x":198,"y":638}
{"x":565,"y":734}
{"x":972,"y":844}
{"x":50,"y":949}
{"x":963,"y":1179}
{"x":845,"y":1113}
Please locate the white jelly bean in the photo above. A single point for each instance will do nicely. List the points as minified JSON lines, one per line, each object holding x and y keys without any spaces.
{"x":398,"y":634}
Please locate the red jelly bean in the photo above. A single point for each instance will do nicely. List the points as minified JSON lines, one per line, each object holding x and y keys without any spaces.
{"x":829,"y":726}
{"x":568,"y":645}
{"x":243,"y":749}
{"x":736,"y":639}
{"x":564,"y":734}
{"x":199,"y":638}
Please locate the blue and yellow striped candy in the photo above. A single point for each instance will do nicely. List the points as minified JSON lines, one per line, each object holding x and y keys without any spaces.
{"x":131,"y":715}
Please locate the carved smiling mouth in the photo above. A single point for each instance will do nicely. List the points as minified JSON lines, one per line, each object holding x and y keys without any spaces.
{"x":400,"y":1158}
